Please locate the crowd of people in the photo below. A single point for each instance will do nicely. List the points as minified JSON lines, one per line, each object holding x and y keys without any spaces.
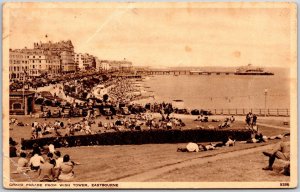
{"x":124,"y":91}
{"x":48,"y":162}
{"x":81,"y":88}
{"x":83,"y":126}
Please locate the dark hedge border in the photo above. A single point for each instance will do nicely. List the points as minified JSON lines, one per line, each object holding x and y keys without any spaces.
{"x":141,"y":137}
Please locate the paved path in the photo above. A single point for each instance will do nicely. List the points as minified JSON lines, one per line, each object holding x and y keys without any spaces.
{"x":151,"y":174}
{"x":59,"y":92}
{"x":273,"y":126}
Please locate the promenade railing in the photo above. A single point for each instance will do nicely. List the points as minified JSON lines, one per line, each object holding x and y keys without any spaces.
{"x":245,"y":111}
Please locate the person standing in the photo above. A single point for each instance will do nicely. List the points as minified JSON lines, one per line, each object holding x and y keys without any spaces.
{"x":254,"y":119}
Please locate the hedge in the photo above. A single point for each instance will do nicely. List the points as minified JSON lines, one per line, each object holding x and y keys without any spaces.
{"x":141,"y":137}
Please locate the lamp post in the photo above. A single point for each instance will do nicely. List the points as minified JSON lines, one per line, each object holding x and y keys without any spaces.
{"x":266,"y":93}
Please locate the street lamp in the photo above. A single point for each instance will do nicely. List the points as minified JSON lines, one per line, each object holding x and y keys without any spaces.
{"x":266,"y":93}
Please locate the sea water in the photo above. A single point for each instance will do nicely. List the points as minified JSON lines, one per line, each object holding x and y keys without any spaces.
{"x":223,"y":91}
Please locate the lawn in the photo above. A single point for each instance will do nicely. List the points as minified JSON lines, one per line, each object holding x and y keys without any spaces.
{"x":111,"y":163}
{"x":245,"y":168}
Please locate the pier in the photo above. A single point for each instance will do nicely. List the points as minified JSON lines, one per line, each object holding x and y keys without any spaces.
{"x":183,"y":72}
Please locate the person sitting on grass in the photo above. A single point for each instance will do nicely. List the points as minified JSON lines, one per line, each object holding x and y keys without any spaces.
{"x":12,"y":150}
{"x":230,"y":142}
{"x":48,"y":148}
{"x":50,"y":156}
{"x":169,"y":125}
{"x":58,"y":162}
{"x":225,"y":124}
{"x":46,"y":171}
{"x":36,"y":149}
{"x":232,"y":119}
{"x":280,"y":151}
{"x":87,"y":130}
{"x":66,"y":169}
{"x":199,"y":118}
{"x":22,"y":150}
{"x":22,"y":163}
{"x":35,"y":161}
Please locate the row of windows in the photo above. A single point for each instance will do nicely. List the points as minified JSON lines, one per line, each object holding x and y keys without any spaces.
{"x":17,"y":68}
{"x":47,"y":61}
{"x":34,"y":72}
{"x":35,"y":66}
{"x":52,"y":67}
{"x":36,"y":61}
{"x":17,"y":61}
{"x":36,"y":57}
{"x":21,"y":75}
{"x":32,"y":61}
{"x":47,"y":66}
{"x":18,"y":56}
{"x":16,"y":75}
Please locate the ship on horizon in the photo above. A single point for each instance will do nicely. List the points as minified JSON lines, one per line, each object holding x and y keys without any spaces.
{"x":250,"y":70}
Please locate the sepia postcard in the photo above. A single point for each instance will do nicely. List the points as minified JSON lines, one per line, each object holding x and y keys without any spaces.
{"x":149,"y":95}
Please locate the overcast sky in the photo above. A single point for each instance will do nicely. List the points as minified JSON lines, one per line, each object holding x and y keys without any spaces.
{"x":162,"y":36}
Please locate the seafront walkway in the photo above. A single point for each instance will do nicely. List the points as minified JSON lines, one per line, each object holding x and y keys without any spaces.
{"x":57,"y":89}
{"x":244,"y":111}
{"x":273,"y":126}
{"x":222,"y":117}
